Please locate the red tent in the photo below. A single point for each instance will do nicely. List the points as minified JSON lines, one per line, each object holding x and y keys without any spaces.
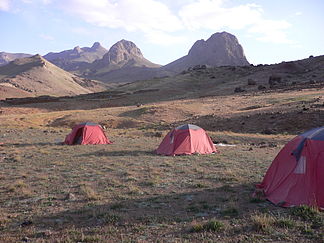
{"x":186,"y":139}
{"x":296,"y":176}
{"x":87,"y":133}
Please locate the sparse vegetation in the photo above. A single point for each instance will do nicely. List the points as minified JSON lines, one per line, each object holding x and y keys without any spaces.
{"x":211,"y":225}
{"x":124,"y":192}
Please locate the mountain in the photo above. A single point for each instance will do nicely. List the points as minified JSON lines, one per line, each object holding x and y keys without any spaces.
{"x":124,"y":62}
{"x":35,"y":76}
{"x":6,"y":57}
{"x":221,"y":49}
{"x":76,"y":58}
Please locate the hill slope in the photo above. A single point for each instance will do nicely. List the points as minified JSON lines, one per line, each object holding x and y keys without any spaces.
{"x":34,"y":76}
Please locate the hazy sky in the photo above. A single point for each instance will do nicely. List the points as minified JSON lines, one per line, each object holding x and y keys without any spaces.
{"x":270,"y":31}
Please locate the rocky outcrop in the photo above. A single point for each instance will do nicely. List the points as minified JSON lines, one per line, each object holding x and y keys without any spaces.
{"x":221,"y":49}
{"x":121,"y":54}
{"x":124,"y":62}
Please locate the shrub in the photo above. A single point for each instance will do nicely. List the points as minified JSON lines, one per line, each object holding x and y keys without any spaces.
{"x":211,"y":225}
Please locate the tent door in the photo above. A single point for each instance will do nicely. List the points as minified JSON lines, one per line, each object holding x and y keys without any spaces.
{"x":78,"y":137}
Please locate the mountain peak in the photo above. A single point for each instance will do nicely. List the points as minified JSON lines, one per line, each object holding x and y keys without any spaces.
{"x":96,"y":45}
{"x":77,"y":49}
{"x":121,"y":51}
{"x":220,"y":49}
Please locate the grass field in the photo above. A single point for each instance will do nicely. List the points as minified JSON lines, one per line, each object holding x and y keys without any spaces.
{"x":123,"y":192}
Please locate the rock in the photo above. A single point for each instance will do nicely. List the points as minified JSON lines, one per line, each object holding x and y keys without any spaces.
{"x":26,"y":223}
{"x":251,"y":82}
{"x":70,"y":197}
{"x":268,"y":131}
{"x":221,"y":49}
{"x":122,"y":51}
{"x":238,"y":90}
{"x":312,"y":82}
{"x":25,"y":239}
{"x":274,"y":79}
{"x":262,"y":87}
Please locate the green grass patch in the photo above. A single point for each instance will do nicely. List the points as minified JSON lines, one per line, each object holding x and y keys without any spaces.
{"x":211,"y":225}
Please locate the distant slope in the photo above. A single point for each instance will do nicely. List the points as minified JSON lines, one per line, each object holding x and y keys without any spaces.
{"x":76,"y":58}
{"x":6,"y":57}
{"x":228,"y":80}
{"x":34,"y":76}
{"x":221,"y":49}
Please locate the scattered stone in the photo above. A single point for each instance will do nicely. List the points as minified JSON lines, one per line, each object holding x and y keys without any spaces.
{"x":25,"y":239}
{"x":273,"y":145}
{"x":70,"y":197}
{"x":238,"y":90}
{"x":251,"y":82}
{"x":262,"y":87}
{"x":268,"y":131}
{"x":26,"y":223}
{"x":42,"y":234}
{"x":274,"y":79}
{"x":158,"y":134}
{"x":312,"y":82}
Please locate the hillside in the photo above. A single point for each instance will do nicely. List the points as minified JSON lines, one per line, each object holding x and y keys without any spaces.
{"x":34,"y":76}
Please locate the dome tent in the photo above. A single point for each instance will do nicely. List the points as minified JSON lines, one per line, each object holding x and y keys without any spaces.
{"x":186,"y":139}
{"x":87,"y":133}
{"x":296,"y":175}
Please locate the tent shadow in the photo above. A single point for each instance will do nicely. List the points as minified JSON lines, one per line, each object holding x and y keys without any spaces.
{"x":29,"y":144}
{"x":104,"y":153}
{"x":163,"y":209}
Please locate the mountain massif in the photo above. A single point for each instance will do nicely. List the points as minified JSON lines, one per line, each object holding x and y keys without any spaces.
{"x":6,"y":57}
{"x":76,"y":58}
{"x":35,"y":76}
{"x":122,"y":63}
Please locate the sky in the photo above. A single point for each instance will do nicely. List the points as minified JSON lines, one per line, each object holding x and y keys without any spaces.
{"x":270,"y":31}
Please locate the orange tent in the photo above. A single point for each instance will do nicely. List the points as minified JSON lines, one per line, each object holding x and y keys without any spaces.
{"x":296,"y":176}
{"x":87,"y":133}
{"x":186,"y":139}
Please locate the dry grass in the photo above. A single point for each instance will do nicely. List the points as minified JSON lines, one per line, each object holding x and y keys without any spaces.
{"x":123,"y":192}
